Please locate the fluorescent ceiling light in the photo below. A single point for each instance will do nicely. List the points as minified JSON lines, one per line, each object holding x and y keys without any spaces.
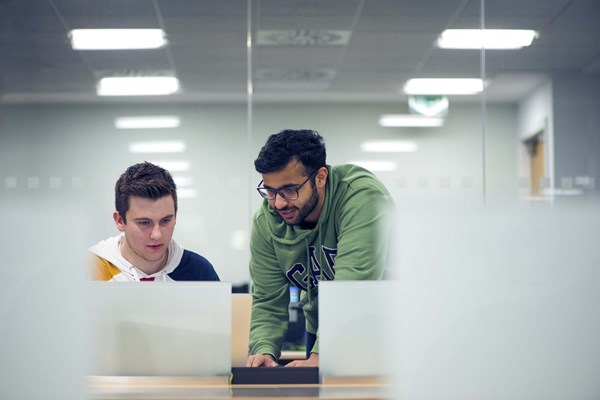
{"x":137,"y":86}
{"x":174,"y":146}
{"x":149,"y":122}
{"x":486,"y":38}
{"x":173,"y":165}
{"x":239,"y":240}
{"x":183,"y":181}
{"x":391,"y":146}
{"x":410,"y":120}
{"x":443,"y":86}
{"x":188,"y":193}
{"x":376,"y":165}
{"x":116,"y":39}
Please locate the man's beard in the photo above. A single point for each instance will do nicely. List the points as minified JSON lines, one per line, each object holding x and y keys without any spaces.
{"x":307,"y":208}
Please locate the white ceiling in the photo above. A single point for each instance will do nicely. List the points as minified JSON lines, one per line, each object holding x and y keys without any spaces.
{"x":376,"y":45}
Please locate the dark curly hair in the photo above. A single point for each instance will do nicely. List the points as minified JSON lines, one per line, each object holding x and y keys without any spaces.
{"x":307,"y":146}
{"x":143,"y":180}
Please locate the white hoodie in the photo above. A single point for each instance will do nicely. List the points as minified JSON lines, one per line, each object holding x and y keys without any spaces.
{"x":109,"y":249}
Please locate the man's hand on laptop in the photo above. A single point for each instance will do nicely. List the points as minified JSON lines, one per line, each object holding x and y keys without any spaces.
{"x":261,"y":360}
{"x":313,"y":361}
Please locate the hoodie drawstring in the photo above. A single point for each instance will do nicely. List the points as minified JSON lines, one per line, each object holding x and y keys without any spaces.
{"x":134,"y":273}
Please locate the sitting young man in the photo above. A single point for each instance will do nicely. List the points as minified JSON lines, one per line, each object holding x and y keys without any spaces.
{"x":146,"y":212}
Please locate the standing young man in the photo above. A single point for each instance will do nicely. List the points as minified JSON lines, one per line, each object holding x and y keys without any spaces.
{"x":318,"y":222}
{"x":146,"y":212}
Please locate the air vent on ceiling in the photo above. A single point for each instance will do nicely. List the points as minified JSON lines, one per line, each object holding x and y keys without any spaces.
{"x":303,"y":37}
{"x":133,"y":73}
{"x":274,"y":79}
{"x":296,"y":75}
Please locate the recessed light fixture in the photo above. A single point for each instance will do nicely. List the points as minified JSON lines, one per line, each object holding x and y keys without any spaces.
{"x":443,"y":86}
{"x":486,"y":38}
{"x":137,"y":86}
{"x":183,"y":181}
{"x":173,"y":146}
{"x":376,"y":165}
{"x":174,"y":165}
{"x":117,"y":39}
{"x":187,"y":193}
{"x":410,"y":120}
{"x":389,"y":146}
{"x":239,"y":240}
{"x":148,"y":122}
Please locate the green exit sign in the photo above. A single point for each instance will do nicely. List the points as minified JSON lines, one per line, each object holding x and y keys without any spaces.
{"x":431,"y":106}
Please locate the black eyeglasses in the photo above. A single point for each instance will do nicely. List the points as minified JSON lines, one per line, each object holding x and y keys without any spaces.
{"x":287,"y":193}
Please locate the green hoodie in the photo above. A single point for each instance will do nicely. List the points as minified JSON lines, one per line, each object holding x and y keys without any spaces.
{"x":349,"y":242}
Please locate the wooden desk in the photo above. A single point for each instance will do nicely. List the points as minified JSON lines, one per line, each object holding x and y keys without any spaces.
{"x":291,"y":355}
{"x":125,"y":387}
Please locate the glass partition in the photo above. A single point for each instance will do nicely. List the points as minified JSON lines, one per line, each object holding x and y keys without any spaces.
{"x":528,"y":137}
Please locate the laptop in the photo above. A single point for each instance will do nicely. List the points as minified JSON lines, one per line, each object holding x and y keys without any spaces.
{"x":160,"y":329}
{"x":355,"y":328}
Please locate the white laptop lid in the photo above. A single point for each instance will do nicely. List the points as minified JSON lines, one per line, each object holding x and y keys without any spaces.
{"x":355,"y":328}
{"x":241,"y":304}
{"x":160,"y":328}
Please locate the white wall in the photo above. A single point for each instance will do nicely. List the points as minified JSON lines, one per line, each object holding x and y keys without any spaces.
{"x":577,"y":133}
{"x":448,"y":164}
{"x":567,"y":110}
{"x":535,"y":115}
{"x":535,"y":111}
{"x":79,"y":144}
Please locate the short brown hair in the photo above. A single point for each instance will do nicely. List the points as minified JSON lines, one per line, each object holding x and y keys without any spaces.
{"x":144,"y":180}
